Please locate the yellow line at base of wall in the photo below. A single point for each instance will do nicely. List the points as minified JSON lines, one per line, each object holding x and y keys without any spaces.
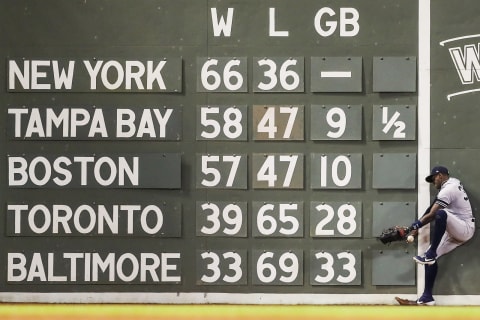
{"x":230,"y":312}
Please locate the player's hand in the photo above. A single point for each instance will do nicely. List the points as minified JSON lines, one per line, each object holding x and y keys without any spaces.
{"x":413,"y":233}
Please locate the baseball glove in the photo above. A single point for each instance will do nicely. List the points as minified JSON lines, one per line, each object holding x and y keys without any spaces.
{"x":394,"y":234}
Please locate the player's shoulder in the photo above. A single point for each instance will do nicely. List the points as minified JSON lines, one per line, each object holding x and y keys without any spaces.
{"x":453,"y":181}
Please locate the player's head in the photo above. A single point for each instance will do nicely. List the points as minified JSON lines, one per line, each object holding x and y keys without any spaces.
{"x":437,"y":171}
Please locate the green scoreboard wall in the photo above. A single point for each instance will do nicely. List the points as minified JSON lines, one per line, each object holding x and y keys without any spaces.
{"x":208,"y":151}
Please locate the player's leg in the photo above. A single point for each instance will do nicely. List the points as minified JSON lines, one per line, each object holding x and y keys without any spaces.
{"x":430,"y":275}
{"x":461,"y":230}
{"x":446,"y":245}
{"x":438,"y":233}
{"x":429,"y":259}
{"x":458,"y":232}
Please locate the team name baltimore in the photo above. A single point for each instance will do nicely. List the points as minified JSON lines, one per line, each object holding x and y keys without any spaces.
{"x":88,"y":267}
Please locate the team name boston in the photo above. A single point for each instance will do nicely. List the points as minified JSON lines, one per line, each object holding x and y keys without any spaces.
{"x":155,"y":170}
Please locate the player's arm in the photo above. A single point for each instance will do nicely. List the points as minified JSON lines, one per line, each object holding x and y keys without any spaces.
{"x":428,"y":217}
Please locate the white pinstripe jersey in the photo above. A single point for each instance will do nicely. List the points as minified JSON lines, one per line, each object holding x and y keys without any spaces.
{"x":453,"y":197}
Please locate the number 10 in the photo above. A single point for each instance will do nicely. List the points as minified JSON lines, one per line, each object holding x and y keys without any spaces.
{"x":336,"y":171}
{"x":341,"y":182}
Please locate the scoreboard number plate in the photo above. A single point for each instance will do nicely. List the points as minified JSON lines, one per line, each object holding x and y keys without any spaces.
{"x":278,"y":122}
{"x":277,"y":267}
{"x":228,"y":123}
{"x":335,"y":219}
{"x":221,"y":219}
{"x":394,"y":122}
{"x":339,"y":122}
{"x":221,"y":171}
{"x":222,"y":74}
{"x":277,"y":171}
{"x":336,"y":171}
{"x":336,"y":74}
{"x":278,"y":74}
{"x":275,"y":219}
{"x":221,"y":267}
{"x":335,"y":267}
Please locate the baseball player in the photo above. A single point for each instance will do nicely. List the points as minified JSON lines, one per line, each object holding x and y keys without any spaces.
{"x":454,"y":225}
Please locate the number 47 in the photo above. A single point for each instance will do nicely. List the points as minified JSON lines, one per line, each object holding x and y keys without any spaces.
{"x":268,"y":123}
{"x":268,"y":173}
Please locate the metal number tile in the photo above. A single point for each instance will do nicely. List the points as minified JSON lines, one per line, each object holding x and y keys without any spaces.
{"x":222,"y":122}
{"x":336,"y":171}
{"x":277,"y":267}
{"x":335,"y":267}
{"x":277,"y":219}
{"x":278,"y":171}
{"x":221,"y":171}
{"x":278,"y":122}
{"x":386,"y":214}
{"x":221,"y":219}
{"x":395,"y":74}
{"x":394,"y":170}
{"x":393,"y":268}
{"x":278,"y":74}
{"x":335,"y":219}
{"x":222,"y":74}
{"x":394,"y":122}
{"x":221,"y":267}
{"x":336,"y":74}
{"x":336,"y":122}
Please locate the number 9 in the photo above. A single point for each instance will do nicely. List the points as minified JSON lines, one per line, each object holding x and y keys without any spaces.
{"x":340,"y":124}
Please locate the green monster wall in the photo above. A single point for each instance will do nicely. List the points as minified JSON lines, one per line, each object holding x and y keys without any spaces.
{"x":453,"y":115}
{"x":225,"y":151}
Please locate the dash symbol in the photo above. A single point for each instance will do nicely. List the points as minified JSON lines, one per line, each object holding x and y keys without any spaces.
{"x":335,"y":74}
